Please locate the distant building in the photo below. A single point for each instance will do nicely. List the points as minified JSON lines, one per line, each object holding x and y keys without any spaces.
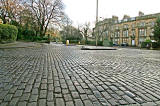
{"x":130,"y":30}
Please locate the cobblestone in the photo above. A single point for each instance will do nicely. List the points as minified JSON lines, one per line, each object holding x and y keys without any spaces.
{"x":32,"y":104}
{"x":52,"y":75}
{"x":33,"y":98}
{"x":60,"y":102}
{"x":50,"y":104}
{"x":42,"y":102}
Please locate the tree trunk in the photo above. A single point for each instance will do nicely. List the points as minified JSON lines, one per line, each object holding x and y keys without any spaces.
{"x":4,"y":20}
{"x":102,"y":38}
{"x":41,"y":31}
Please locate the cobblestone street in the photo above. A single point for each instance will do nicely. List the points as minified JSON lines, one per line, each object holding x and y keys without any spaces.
{"x":58,"y":75}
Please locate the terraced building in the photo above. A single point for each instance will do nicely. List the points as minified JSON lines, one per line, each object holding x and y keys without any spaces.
{"x":130,"y":30}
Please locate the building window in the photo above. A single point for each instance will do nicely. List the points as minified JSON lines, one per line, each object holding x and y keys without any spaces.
{"x":116,"y":21}
{"x":112,"y":28}
{"x":152,"y":30}
{"x":116,"y":41}
{"x":125,"y":40}
{"x":115,"y":34}
{"x":125,"y":26}
{"x":133,"y":25}
{"x":142,"y":24}
{"x":119,"y":21}
{"x":133,"y":32}
{"x":142,"y":32}
{"x":152,"y":24}
{"x":125,"y":33}
{"x":117,"y":27}
{"x":145,"y":32}
{"x":111,"y":35}
{"x":118,"y":34}
{"x":106,"y":33}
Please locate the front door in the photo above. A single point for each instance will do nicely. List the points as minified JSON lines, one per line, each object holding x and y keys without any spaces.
{"x":133,"y":42}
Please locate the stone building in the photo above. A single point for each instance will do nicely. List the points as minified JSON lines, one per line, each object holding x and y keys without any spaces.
{"x":130,"y":30}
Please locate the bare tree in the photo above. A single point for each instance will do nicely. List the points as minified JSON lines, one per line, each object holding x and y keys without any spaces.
{"x":66,"y":21}
{"x":84,"y":30}
{"x":65,"y":25}
{"x":46,"y":12}
{"x":10,"y":9}
{"x":101,"y":32}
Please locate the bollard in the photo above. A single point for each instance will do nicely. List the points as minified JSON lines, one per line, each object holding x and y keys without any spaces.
{"x":67,"y":42}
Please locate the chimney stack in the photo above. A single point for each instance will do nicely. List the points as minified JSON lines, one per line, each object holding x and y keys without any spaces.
{"x":114,"y":17}
{"x":126,"y":16}
{"x":141,"y":13}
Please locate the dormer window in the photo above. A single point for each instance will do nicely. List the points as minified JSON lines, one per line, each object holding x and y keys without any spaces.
{"x":125,"y":20}
{"x":133,"y":19}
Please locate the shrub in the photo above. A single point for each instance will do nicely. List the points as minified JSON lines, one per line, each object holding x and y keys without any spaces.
{"x":150,"y":44}
{"x":82,"y":42}
{"x":64,"y":41}
{"x":157,"y":30}
{"x":74,"y":41}
{"x":93,"y":43}
{"x":110,"y":43}
{"x":144,"y":44}
{"x":155,"y":45}
{"x":100,"y":43}
{"x":148,"y":41}
{"x":8,"y":32}
{"x":19,"y":35}
{"x":29,"y":34}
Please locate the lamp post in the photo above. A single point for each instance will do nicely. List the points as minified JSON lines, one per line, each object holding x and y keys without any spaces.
{"x":97,"y":12}
{"x":96,"y":18}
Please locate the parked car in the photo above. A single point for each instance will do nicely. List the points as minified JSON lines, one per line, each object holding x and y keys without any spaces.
{"x":124,"y":44}
{"x":115,"y":44}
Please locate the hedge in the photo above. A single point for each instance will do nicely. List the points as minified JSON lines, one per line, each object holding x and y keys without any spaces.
{"x":8,"y":32}
{"x":93,"y":43}
{"x":71,"y":41}
{"x":153,"y":44}
{"x":29,"y":34}
{"x":144,"y":44}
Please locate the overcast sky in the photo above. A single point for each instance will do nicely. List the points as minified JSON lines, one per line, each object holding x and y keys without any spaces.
{"x":81,"y":11}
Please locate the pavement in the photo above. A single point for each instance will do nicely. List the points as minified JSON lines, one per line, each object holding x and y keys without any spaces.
{"x":19,"y":45}
{"x":97,"y":48}
{"x":59,"y":75}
